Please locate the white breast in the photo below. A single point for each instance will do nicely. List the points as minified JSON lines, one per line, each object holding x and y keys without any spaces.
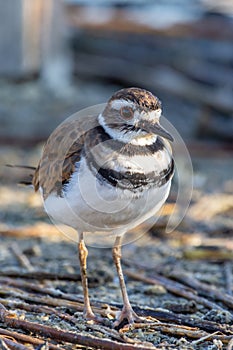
{"x":89,"y":205}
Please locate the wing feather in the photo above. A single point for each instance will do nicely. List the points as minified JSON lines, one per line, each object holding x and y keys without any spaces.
{"x":61,"y":153}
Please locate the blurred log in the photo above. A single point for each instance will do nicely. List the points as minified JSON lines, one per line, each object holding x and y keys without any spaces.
{"x":215,"y":125}
{"x":162,"y":77}
{"x":42,"y":230}
{"x":209,"y":73}
{"x":209,"y":206}
{"x":211,"y":253}
{"x":122,"y":21}
{"x":146,"y":49}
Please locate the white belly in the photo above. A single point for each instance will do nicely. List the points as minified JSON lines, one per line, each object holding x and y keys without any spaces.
{"x":91,"y":206}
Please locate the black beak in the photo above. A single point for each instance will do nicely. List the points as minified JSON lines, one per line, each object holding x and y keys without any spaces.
{"x":156,"y":129}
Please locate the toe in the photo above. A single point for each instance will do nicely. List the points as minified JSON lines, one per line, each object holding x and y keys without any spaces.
{"x":127,"y":314}
{"x":91,"y":317}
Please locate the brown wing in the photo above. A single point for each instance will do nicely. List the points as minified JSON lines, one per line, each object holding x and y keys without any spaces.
{"x":62,"y":150}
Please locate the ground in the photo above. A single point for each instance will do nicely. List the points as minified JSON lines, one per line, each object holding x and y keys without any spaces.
{"x":180,"y":282}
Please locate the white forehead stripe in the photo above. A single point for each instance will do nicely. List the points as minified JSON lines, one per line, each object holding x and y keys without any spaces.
{"x":152,"y":115}
{"x":118,"y":104}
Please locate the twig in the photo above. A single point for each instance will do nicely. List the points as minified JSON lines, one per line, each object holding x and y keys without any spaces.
{"x":186,"y":280}
{"x":38,"y":309}
{"x":39,"y":275}
{"x":28,"y":339}
{"x":59,"y":335}
{"x":173,"y":287}
{"x":101,"y":309}
{"x":22,"y":258}
{"x":228,"y":273}
{"x":208,"y":336}
{"x":112,"y":333}
{"x":14,"y":345}
{"x":202,"y":288}
{"x":177,"y":330}
{"x":3,"y":345}
{"x":165,"y":316}
{"x":41,"y":299}
{"x":146,"y":312}
{"x":38,"y":288}
{"x":208,"y":326}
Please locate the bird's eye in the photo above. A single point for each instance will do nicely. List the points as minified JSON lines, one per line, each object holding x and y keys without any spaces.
{"x":126,"y":113}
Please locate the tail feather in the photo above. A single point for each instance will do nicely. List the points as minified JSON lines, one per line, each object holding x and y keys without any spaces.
{"x":28,"y":178}
{"x":20,"y":166}
{"x":26,"y":182}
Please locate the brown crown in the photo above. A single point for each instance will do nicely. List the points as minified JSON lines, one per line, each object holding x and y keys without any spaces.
{"x":143,"y":98}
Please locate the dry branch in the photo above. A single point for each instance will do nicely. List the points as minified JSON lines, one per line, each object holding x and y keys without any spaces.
{"x":178,"y":319}
{"x":22,"y":258}
{"x":12,"y":345}
{"x":181,"y":331}
{"x":63,"y":336}
{"x":175,"y":288}
{"x":40,"y":275}
{"x":27,"y":339}
{"x":202,"y":288}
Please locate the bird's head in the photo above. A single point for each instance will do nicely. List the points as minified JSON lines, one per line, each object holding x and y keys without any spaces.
{"x":132,"y":115}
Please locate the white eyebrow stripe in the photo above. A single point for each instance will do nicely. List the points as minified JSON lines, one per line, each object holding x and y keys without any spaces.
{"x":118,"y":104}
{"x":152,"y":115}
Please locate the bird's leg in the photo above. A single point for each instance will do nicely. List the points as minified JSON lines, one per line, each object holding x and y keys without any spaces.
{"x":83,"y":252}
{"x":127,"y":311}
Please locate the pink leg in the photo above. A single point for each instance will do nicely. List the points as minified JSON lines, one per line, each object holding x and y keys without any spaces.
{"x":83,"y":253}
{"x":127,"y":311}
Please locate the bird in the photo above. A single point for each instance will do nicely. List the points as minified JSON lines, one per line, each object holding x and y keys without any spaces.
{"x":108,"y":172}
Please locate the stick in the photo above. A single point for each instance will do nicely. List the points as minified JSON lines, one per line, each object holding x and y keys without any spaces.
{"x":59,"y":335}
{"x":202,"y":288}
{"x":22,"y":258}
{"x":41,"y":275}
{"x":27,"y":339}
{"x":208,"y":326}
{"x":208,"y":336}
{"x":3,"y":345}
{"x":175,"y":288}
{"x":176,"y":330}
{"x":38,"y":309}
{"x":101,"y":309}
{"x":38,"y":288}
{"x":13,"y":345}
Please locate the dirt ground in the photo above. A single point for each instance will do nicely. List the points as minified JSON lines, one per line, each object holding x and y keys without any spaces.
{"x":181,"y":283}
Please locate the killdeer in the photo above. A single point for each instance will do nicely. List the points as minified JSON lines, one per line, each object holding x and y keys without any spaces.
{"x":114,"y":174}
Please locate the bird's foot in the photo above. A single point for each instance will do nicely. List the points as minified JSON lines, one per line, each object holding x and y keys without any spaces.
{"x":127,"y":314}
{"x":92,"y":318}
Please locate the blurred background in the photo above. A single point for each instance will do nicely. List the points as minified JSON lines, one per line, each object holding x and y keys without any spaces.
{"x":57,"y":57}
